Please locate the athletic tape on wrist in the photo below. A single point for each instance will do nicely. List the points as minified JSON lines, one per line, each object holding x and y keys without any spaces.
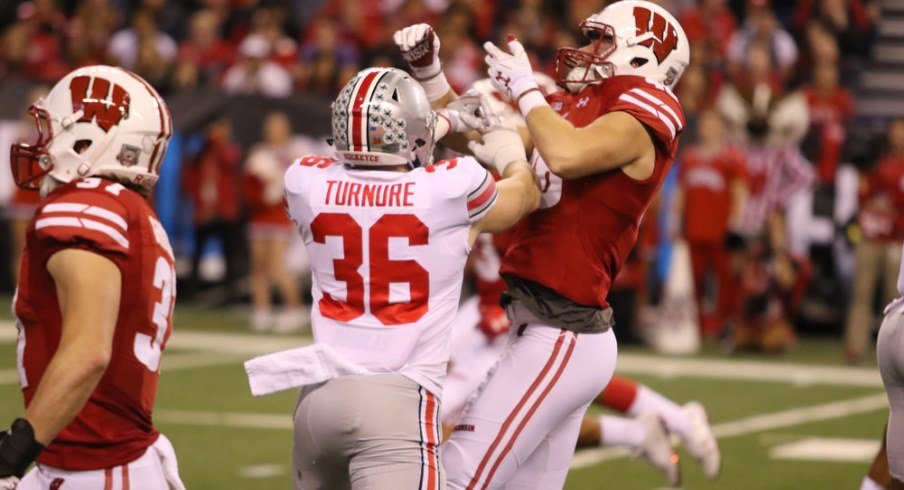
{"x":435,"y":86}
{"x":529,"y":100}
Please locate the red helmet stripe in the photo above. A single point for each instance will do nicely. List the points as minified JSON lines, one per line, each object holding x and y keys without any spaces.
{"x":358,"y":122}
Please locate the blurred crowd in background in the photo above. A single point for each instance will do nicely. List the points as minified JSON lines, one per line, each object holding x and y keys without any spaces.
{"x":789,"y":204}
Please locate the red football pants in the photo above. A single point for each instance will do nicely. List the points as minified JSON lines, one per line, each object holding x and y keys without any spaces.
{"x":712,"y":258}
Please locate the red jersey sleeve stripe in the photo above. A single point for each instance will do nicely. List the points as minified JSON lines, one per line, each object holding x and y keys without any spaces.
{"x":483,"y":193}
{"x":643,"y":105}
{"x":480,"y":211}
{"x":661,"y":105}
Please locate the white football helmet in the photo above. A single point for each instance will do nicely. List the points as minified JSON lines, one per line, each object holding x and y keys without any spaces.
{"x":631,"y":37}
{"x":381,"y":118}
{"x":98,"y":120}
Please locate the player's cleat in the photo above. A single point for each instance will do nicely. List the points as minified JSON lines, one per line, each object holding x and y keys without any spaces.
{"x":701,"y":442}
{"x":657,"y":447}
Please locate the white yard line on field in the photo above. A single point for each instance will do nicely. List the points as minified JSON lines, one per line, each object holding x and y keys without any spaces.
{"x":584,"y":458}
{"x":224,"y":419}
{"x":782,"y":372}
{"x":7,"y":332}
{"x":176,"y":361}
{"x":760,"y":423}
{"x":251,"y":345}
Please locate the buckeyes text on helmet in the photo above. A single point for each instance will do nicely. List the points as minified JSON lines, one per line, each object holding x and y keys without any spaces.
{"x":383,"y":118}
{"x":96,"y":121}
{"x":630,"y":37}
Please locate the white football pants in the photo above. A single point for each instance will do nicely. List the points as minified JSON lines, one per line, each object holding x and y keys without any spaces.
{"x":890,"y":351}
{"x":471,"y":356}
{"x":520,"y":430}
{"x":155,"y":470}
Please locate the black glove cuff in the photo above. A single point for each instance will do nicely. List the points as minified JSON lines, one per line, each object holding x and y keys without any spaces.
{"x":18,"y":447}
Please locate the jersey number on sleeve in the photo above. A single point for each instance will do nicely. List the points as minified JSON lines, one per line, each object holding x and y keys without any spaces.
{"x":148,"y":349}
{"x":383,"y":270}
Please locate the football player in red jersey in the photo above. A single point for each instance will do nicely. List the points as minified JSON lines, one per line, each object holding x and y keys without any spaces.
{"x":601,"y":149}
{"x":96,"y":290}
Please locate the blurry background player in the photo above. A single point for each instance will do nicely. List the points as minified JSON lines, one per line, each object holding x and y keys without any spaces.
{"x":878,"y":253}
{"x":712,"y":189}
{"x":384,"y":204}
{"x":270,"y":231}
{"x":890,"y":353}
{"x":95,"y":292}
{"x":604,"y":145}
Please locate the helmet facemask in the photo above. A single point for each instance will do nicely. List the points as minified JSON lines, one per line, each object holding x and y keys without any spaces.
{"x":31,"y":162}
{"x":423,"y":149}
{"x":578,"y":68}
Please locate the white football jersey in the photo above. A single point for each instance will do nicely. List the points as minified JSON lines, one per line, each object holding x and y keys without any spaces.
{"x":388,"y":251}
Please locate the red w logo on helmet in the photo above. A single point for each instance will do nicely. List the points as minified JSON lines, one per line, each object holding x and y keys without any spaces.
{"x":107,"y":104}
{"x":665,"y":37}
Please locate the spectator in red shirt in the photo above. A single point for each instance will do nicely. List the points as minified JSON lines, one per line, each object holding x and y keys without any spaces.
{"x":878,"y":253}
{"x":831,"y":106}
{"x":212,"y":182}
{"x":710,"y":22}
{"x":710,"y":196}
{"x":204,"y":56}
{"x":851,"y":21}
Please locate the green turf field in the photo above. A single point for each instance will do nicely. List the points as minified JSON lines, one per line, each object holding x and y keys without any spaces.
{"x":766,"y":411}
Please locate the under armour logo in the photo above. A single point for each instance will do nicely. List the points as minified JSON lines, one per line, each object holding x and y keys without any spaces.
{"x":582,"y":102}
{"x":57,"y":483}
{"x":505,"y":81}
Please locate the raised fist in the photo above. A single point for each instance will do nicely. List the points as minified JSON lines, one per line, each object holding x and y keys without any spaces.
{"x":420,"y":48}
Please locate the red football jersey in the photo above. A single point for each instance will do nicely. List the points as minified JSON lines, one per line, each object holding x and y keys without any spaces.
{"x":577,"y":241}
{"x":707,"y":181}
{"x":105,"y":218}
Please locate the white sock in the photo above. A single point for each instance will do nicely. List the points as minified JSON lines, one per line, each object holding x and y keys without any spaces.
{"x":673,"y":414}
{"x":620,"y":431}
{"x":869,"y":484}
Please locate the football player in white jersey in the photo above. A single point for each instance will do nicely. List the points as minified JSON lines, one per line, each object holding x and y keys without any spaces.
{"x":890,"y":352}
{"x":388,"y":233}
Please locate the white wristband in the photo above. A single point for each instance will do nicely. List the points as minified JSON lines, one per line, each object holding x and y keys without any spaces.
{"x":529,"y":100}
{"x":435,"y":86}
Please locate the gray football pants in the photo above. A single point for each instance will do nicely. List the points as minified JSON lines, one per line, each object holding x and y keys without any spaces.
{"x":890,"y":351}
{"x":376,"y":432}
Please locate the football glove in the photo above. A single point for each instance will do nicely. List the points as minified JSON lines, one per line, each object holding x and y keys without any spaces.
{"x":512,"y":74}
{"x":9,"y":483}
{"x":470,"y":112}
{"x":500,"y":147}
{"x":18,"y":450}
{"x":493,"y":321}
{"x":420,"y":48}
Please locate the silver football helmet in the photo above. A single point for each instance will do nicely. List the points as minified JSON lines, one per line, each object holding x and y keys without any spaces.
{"x":382,"y":117}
